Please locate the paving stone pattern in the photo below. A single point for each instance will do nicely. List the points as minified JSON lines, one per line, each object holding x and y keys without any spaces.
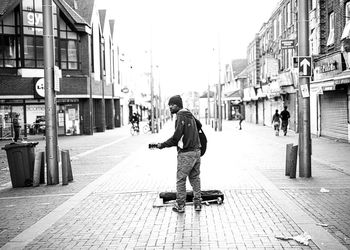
{"x":332,"y":209}
{"x":247,"y":220}
{"x":118,"y":214}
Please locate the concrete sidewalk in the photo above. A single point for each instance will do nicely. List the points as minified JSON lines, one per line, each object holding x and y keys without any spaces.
{"x":114,"y":209}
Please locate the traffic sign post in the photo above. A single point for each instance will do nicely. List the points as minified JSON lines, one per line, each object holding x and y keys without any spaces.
{"x":304,"y":65}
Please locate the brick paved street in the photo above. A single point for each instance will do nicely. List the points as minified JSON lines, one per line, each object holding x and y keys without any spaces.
{"x":109,"y":204}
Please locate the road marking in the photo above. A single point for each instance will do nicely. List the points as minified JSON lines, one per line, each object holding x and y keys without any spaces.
{"x":8,"y":184}
{"x":35,"y":196}
{"x":98,"y":148}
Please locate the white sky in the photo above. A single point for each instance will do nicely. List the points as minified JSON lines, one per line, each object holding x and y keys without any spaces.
{"x":185,"y":37}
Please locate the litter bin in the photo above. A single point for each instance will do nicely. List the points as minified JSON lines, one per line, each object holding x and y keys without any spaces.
{"x":20,"y":157}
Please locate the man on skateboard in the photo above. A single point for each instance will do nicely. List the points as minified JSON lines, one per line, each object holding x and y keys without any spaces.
{"x":186,"y":139}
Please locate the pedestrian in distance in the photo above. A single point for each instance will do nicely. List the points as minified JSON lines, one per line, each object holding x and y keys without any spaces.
{"x":240,"y":119}
{"x":187,"y":141}
{"x":276,"y":121}
{"x":285,"y":117}
{"x":16,"y":127}
{"x":135,"y":121}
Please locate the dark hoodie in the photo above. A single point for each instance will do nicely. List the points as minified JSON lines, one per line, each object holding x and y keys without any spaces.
{"x":185,"y":136}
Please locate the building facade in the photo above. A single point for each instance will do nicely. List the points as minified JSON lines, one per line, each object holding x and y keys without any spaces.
{"x":270,"y":56}
{"x":87,"y":96}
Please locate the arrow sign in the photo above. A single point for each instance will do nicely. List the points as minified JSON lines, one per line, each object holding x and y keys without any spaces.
{"x":305,"y":66}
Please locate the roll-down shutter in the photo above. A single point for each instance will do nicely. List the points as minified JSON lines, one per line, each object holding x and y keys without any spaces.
{"x":334,"y":121}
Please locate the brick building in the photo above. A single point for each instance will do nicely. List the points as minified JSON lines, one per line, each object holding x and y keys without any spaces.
{"x":89,"y":97}
{"x":272,"y":80}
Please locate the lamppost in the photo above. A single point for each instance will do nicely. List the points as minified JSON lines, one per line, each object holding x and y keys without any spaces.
{"x":50,"y":97}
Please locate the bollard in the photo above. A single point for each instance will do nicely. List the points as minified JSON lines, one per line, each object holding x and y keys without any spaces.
{"x":64,"y":157}
{"x":293,"y":161}
{"x":288,"y":158}
{"x":70,"y":173}
{"x":42,"y":167}
{"x":37,"y":170}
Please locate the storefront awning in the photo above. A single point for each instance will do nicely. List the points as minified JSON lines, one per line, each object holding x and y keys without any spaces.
{"x":342,"y":78}
{"x":233,"y":95}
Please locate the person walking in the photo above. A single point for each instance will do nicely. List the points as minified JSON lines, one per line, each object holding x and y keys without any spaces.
{"x":186,"y":139}
{"x":240,"y":119}
{"x":285,"y":117}
{"x":276,"y":120}
{"x":16,"y":127}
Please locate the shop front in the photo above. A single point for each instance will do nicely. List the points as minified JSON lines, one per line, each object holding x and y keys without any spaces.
{"x":32,"y":117}
{"x":329,"y":98}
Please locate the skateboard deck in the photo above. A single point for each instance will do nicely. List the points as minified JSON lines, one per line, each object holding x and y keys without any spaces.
{"x":207,"y":195}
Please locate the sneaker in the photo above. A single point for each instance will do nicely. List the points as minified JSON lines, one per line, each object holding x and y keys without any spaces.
{"x":197,"y":205}
{"x":179,"y":209}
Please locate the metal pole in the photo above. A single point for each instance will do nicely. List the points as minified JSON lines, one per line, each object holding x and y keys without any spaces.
{"x":219,"y":91}
{"x":160,"y":104}
{"x":304,"y":102}
{"x":208,"y":118}
{"x":50,"y":99}
{"x":152,"y":94}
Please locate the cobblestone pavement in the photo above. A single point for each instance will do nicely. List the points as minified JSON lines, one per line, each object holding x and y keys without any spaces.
{"x":109,"y":204}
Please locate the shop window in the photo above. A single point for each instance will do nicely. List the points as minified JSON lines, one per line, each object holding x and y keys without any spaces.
{"x":330,"y":40}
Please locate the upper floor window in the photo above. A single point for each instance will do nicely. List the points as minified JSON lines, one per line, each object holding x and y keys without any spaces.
{"x":9,"y":42}
{"x":289,"y":14}
{"x":347,"y":12}
{"x":30,"y":54}
{"x":68,"y":46}
{"x":275,"y":27}
{"x":330,"y":40}
{"x":313,"y":4}
{"x":280,"y":24}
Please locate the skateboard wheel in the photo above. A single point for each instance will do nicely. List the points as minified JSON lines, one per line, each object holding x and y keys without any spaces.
{"x":219,"y":201}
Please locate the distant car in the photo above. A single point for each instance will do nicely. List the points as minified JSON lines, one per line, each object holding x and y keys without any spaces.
{"x":38,"y":126}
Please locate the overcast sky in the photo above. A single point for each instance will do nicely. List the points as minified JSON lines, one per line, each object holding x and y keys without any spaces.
{"x":185,"y":37}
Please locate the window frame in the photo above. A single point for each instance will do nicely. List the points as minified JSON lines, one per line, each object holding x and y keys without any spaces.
{"x":28,"y":25}
{"x":331,"y":19}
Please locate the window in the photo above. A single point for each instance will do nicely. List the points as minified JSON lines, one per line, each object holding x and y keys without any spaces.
{"x":289,"y":14}
{"x":32,"y":56}
{"x":9,"y":41}
{"x":280,"y":24}
{"x":330,"y":40}
{"x":347,"y":12}
{"x":33,"y":46}
{"x":68,"y":47}
{"x":275,"y":27}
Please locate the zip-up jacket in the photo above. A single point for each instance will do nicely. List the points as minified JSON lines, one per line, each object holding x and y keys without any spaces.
{"x":185,"y":136}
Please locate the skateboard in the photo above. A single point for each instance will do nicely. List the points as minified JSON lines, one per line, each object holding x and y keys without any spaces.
{"x":207,"y":203}
{"x":205,"y":195}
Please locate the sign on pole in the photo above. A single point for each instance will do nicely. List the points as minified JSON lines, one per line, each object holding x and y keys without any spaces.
{"x":304,"y":66}
{"x":287,"y":44}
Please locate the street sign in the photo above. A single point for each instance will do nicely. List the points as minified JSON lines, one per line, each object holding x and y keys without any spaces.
{"x":57,"y":76}
{"x":287,"y":44}
{"x":304,"y":66}
{"x":304,"y":90}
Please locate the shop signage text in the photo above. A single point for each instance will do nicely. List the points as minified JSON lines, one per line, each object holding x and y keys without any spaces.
{"x":39,"y":88}
{"x":287,"y":44}
{"x":327,"y":67}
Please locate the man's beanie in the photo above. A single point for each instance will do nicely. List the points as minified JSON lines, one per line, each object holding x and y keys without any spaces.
{"x":176,"y":99}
